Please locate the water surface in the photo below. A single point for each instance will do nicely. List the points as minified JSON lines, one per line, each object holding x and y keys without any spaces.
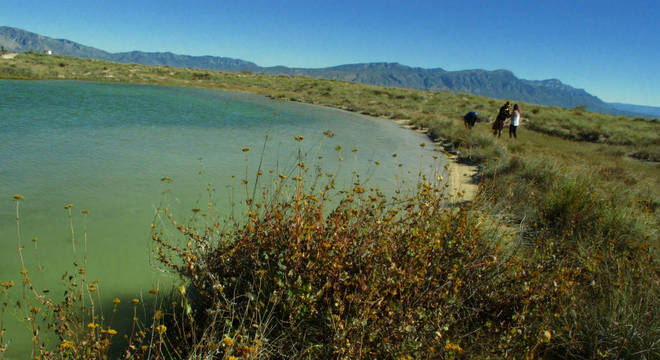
{"x":105,"y":147}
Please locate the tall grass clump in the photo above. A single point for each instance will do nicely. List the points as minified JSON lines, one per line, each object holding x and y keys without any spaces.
{"x":319,"y":272}
{"x":373,"y":277}
{"x":600,"y":246}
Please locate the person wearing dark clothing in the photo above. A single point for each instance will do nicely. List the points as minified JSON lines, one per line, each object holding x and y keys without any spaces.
{"x":470,"y":119}
{"x":504,"y":114}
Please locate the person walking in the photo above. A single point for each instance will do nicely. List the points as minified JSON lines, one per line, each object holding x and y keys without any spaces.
{"x":515,"y":121}
{"x":498,"y":125}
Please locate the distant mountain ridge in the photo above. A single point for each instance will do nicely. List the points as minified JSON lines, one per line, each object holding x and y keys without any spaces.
{"x":640,"y":109}
{"x":18,"y":40}
{"x":501,"y":84}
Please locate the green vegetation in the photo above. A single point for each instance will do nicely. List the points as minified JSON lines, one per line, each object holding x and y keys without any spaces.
{"x":556,"y":257}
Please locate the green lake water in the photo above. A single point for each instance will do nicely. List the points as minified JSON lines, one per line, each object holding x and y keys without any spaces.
{"x":105,"y":147}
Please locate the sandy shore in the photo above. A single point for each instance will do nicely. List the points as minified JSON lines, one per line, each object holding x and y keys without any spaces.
{"x":460,"y":176}
{"x":461,"y":187}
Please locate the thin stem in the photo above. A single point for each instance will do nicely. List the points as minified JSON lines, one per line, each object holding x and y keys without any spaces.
{"x":73,"y":236}
{"x":18,"y":235}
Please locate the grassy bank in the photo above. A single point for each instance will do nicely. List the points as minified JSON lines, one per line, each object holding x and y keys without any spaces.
{"x":556,"y":257}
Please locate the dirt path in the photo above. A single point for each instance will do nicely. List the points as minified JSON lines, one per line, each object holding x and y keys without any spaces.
{"x":9,"y":55}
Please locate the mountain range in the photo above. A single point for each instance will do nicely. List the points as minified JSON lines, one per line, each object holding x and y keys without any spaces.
{"x":502,"y":84}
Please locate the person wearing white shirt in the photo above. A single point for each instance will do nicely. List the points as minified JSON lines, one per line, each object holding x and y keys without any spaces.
{"x":515,"y":121}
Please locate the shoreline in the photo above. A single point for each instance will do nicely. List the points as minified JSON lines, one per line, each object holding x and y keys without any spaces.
{"x":461,"y":188}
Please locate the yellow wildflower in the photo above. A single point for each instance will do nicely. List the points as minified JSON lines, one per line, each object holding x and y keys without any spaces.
{"x":18,"y":197}
{"x":228,"y":342}
{"x":161,"y":329}
{"x":453,"y":347}
{"x":547,"y":335}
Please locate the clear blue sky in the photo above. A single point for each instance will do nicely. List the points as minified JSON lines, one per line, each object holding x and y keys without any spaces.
{"x":611,"y":48}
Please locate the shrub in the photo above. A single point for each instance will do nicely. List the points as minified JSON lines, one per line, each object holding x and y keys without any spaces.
{"x":600,"y":244}
{"x":370,"y":278}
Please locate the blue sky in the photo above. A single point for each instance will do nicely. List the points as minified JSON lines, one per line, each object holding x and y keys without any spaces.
{"x":609,"y":48}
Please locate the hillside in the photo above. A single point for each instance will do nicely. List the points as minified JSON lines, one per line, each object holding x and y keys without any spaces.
{"x":18,"y":40}
{"x":501,"y":84}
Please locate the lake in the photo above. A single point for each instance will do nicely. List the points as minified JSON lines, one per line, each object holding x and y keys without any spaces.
{"x":105,"y":148}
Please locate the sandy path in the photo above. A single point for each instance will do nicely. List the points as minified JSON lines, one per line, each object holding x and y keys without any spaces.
{"x":461,"y":187}
{"x":9,"y":55}
{"x":460,"y":176}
